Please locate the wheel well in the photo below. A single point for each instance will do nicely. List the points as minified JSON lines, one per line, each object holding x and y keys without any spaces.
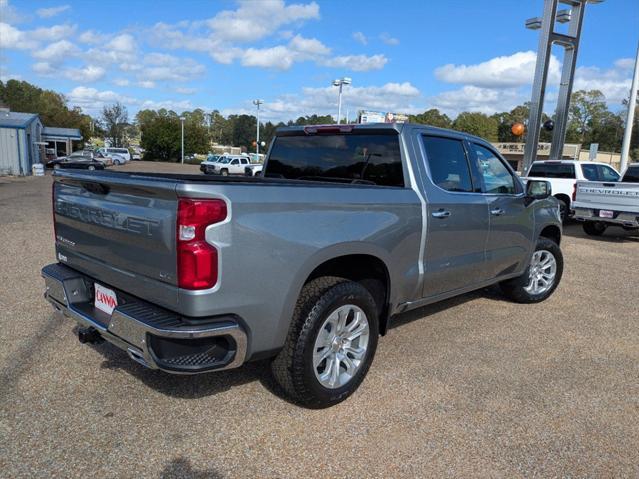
{"x":551,"y":232}
{"x":564,"y":198}
{"x":369,"y":271}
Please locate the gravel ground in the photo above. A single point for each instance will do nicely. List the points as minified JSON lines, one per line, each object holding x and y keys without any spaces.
{"x":475,"y":386}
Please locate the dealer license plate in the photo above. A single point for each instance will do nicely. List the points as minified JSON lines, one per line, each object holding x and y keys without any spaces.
{"x":105,"y":299}
{"x":606,"y":214}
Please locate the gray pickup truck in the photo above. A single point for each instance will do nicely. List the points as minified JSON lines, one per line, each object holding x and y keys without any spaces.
{"x":349,"y":226}
{"x":602,"y":204}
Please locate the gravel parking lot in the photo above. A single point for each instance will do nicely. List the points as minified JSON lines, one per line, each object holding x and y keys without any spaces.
{"x":475,"y":386}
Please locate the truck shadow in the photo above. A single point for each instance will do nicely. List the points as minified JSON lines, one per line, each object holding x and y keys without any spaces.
{"x":613,"y":234}
{"x":181,"y":468}
{"x":183,"y":386}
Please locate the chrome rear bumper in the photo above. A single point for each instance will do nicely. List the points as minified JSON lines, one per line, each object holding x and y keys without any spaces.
{"x":152,"y":336}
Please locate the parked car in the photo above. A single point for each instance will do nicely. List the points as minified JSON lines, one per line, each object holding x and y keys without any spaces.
{"x":136,"y":156}
{"x":117,"y":159}
{"x":355,"y":224}
{"x":76,"y":160}
{"x":603,"y":204}
{"x":123,"y":152}
{"x":207,"y":165}
{"x":563,"y":176}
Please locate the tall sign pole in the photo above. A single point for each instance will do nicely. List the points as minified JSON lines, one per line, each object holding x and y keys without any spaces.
{"x":632,"y":105}
{"x":570,"y":42}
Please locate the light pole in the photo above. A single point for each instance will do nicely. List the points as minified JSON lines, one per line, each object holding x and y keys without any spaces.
{"x":630,"y":119}
{"x":340,"y":82}
{"x":257,"y":103}
{"x":182,"y":124}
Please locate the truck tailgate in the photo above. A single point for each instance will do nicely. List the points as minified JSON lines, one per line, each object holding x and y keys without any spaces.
{"x":119,"y":231}
{"x":611,"y":196}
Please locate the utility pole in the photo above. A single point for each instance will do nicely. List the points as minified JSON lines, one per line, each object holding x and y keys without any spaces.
{"x":570,"y":42}
{"x":630,"y":119}
{"x":257,"y":103}
{"x":182,"y":124}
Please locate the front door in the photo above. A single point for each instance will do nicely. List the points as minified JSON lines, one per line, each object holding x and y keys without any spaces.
{"x":457,"y":223}
{"x":511,"y":219}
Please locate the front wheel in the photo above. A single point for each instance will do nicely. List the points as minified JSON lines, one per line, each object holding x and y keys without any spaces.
{"x":542,"y":276}
{"x":91,"y":168}
{"x":225,"y":172}
{"x":594,"y":228}
{"x":331,"y":343}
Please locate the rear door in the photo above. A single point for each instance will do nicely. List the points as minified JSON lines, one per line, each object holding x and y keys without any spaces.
{"x":457,"y":225}
{"x":511,"y":220}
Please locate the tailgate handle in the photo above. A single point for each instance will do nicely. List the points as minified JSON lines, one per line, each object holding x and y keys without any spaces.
{"x":96,"y":188}
{"x":610,"y":184}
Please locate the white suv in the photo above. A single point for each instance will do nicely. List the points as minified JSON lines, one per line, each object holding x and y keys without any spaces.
{"x":121,"y":152}
{"x":563,"y":176}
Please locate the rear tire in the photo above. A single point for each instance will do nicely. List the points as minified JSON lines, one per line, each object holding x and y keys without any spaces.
{"x":564,"y":209}
{"x":91,"y":168}
{"x":594,"y":228}
{"x":541,"y":278}
{"x":323,"y":361}
{"x":225,"y":172}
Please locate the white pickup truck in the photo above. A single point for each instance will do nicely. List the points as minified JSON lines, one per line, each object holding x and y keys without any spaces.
{"x":602,"y":204}
{"x":563,"y":176}
{"x":231,"y":165}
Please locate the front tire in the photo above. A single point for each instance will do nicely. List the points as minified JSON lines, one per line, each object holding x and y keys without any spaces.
{"x":225,"y":172}
{"x":330,"y":345}
{"x":541,"y":278}
{"x":594,"y":228}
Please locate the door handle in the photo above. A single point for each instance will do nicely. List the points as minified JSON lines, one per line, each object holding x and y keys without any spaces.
{"x":441,"y":214}
{"x":497,"y":212}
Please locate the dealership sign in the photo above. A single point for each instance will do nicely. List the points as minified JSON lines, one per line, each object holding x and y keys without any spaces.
{"x":366,"y":116}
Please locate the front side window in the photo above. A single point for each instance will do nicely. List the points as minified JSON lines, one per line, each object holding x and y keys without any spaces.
{"x":348,"y":158}
{"x":496,"y":177}
{"x":235,"y":162}
{"x":448,"y":163}
{"x":244,"y":161}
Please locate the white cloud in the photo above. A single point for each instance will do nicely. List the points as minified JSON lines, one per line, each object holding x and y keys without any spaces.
{"x":614,"y":83}
{"x":122,"y":81}
{"x":86,"y":74}
{"x":146,"y":84}
{"x":185,"y":90}
{"x":92,"y":100}
{"x":282,"y":57}
{"x":357,"y":63}
{"x":53,"y":33}
{"x":13,"y":38}
{"x":164,"y":67}
{"x":359,"y":37}
{"x":308,"y":47}
{"x":473,"y":98}
{"x":43,"y":68}
{"x":52,"y":12}
{"x":92,"y":37}
{"x":505,"y":71}
{"x":388,"y":40}
{"x":396,"y":97}
{"x":57,"y":51}
{"x":253,"y":21}
{"x":122,"y":43}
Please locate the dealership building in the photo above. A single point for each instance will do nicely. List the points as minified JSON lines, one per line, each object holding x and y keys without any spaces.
{"x":25,"y":141}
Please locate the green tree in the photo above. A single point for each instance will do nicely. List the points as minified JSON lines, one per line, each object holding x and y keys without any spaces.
{"x":432,"y":117}
{"x":115,"y":118}
{"x":477,"y":124}
{"x":587,"y":111}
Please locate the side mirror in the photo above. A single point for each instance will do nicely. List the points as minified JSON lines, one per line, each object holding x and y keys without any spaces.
{"x":538,"y":189}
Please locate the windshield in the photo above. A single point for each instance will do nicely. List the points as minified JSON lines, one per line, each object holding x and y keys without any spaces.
{"x":224,"y":160}
{"x":370,"y":158}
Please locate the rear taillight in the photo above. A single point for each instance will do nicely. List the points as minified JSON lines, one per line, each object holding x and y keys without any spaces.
{"x":197,"y":262}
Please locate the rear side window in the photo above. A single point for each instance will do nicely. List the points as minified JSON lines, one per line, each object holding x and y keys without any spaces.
{"x":632,"y":175}
{"x":553,"y":170}
{"x":346,"y":158}
{"x":448,"y":163}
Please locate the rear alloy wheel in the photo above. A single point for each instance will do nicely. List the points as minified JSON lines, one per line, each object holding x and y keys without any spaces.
{"x":91,"y":168}
{"x":542,"y":276}
{"x":594,"y":228}
{"x":331,"y":343}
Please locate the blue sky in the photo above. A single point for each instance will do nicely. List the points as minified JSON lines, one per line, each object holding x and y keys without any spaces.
{"x":403,"y":56}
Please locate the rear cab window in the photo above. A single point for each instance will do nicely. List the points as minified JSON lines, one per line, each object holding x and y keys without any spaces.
{"x":553,"y":170}
{"x":631,"y":175}
{"x":356,"y":157}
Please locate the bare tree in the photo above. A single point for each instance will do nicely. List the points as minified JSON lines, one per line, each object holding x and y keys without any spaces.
{"x":115,"y":118}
